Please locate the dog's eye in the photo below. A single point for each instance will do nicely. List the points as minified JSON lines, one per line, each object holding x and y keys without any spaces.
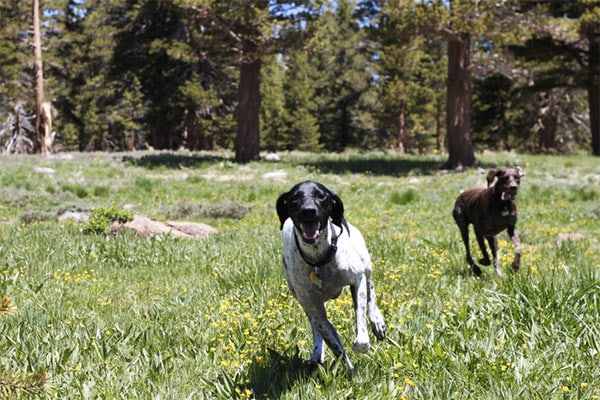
{"x":320,"y":196}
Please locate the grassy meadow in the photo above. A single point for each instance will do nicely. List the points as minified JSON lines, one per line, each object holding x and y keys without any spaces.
{"x":168,"y":318}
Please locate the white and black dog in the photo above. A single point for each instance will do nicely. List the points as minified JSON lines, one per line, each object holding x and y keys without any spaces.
{"x":322,"y":253}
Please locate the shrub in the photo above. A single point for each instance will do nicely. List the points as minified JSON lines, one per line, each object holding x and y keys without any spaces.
{"x":404,"y":198}
{"x":102,"y":218}
{"x":78,"y":190}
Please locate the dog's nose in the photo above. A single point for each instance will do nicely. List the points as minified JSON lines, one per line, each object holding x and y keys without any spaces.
{"x":309,"y":212}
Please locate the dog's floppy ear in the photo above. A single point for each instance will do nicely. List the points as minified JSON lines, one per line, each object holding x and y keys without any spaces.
{"x":520,"y":171}
{"x":282,"y":209}
{"x":337,"y":211}
{"x":492,"y":174}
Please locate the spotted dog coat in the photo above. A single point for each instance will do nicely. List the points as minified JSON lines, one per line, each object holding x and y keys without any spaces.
{"x":491,"y":211}
{"x":322,"y":254}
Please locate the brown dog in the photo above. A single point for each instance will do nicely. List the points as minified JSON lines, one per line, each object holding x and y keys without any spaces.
{"x":491,"y":211}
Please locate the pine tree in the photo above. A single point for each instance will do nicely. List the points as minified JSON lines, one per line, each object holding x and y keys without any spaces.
{"x":42,"y":110}
{"x":301,"y":122}
{"x":16,"y":74}
{"x":96,"y":110}
{"x":589,"y":28}
{"x":342,"y":55}
{"x":411,"y":80}
{"x":14,"y":54}
{"x":562,"y":52}
{"x":273,"y":125}
{"x":67,"y":64}
{"x":148,"y":46}
{"x":254,"y":15}
{"x":244,"y":33}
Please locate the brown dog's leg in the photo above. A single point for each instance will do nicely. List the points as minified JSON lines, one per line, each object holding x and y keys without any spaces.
{"x":465,"y":236}
{"x":514,"y":236}
{"x":464,"y":232}
{"x":463,"y":226}
{"x":493,"y":242}
{"x":486,"y":258}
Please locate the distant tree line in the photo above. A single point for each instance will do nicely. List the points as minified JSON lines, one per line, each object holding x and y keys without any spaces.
{"x":447,"y":76}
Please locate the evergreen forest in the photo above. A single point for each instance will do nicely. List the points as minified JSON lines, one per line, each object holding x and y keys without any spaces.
{"x":426,"y":76}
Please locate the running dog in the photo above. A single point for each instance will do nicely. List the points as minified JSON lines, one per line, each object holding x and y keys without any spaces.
{"x":491,"y":211}
{"x":322,"y":254}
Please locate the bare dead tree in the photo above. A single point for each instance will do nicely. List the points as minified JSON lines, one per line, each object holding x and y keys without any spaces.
{"x":43,"y":117}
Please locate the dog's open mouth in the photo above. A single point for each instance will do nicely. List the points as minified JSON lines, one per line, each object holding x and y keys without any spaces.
{"x":310,"y":230}
{"x":508,"y":196}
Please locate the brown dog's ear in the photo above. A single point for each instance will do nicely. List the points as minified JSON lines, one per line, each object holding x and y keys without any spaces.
{"x":282,"y":209}
{"x":520,"y":172}
{"x":337,"y":211}
{"x":492,"y":174}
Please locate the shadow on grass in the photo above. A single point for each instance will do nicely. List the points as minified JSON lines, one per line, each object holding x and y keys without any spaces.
{"x":397,"y":166}
{"x":272,"y":379}
{"x":174,"y":160}
{"x":378,"y":165}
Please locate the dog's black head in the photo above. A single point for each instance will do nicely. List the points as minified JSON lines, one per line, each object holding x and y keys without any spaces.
{"x":508,"y":183}
{"x":310,"y":205}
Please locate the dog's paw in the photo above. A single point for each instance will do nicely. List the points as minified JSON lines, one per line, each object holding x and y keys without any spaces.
{"x":318,"y":357}
{"x":379,"y":329}
{"x":476,"y":270}
{"x":313,"y":362}
{"x":361,"y":346}
{"x":485,"y":261}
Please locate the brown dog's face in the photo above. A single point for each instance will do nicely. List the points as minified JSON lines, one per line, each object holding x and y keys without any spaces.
{"x":508,"y":182}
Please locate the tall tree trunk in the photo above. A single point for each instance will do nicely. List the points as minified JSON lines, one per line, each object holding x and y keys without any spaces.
{"x":19,"y":141}
{"x":594,"y":92}
{"x":438,"y":124}
{"x":401,"y":129}
{"x":197,"y":137}
{"x":458,"y":103}
{"x":132,"y":140}
{"x":549,"y":125}
{"x":247,"y":140}
{"x":41,"y":133}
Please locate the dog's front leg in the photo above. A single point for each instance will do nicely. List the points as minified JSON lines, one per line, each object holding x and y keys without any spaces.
{"x":318,"y":355}
{"x":327,"y":332}
{"x":493,"y":241}
{"x":359,"y":295}
{"x":485,"y":260}
{"x":512,"y":232}
{"x":375,"y":316}
{"x":463,"y":226}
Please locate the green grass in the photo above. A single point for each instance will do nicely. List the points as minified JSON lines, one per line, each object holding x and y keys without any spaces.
{"x":126,"y":317}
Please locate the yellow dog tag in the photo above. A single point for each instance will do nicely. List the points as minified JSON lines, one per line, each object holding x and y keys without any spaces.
{"x":313,"y":278}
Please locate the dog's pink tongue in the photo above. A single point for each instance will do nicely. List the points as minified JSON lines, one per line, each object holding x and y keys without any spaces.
{"x":310,"y":230}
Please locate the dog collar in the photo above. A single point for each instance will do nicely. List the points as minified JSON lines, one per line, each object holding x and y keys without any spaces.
{"x":322,"y":260}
